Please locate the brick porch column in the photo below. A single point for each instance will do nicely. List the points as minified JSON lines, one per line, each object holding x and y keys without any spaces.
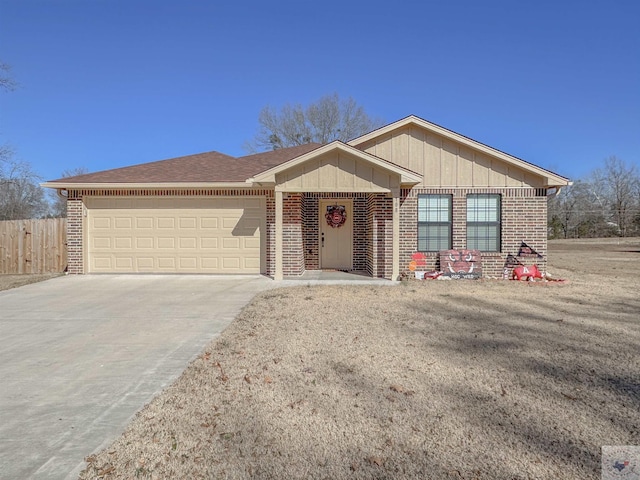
{"x":278,"y":273}
{"x":395,"y":215}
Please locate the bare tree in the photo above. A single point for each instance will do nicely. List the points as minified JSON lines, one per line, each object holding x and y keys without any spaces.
{"x":58,"y":203}
{"x":636,"y":217}
{"x":328,"y":119}
{"x":618,"y":180}
{"x":20,"y":194}
{"x":605,"y":203}
{"x":6,"y":80}
{"x":577,"y":212}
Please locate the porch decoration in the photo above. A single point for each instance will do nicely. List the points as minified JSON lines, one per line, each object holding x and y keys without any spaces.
{"x":336,"y":215}
{"x":458,"y":264}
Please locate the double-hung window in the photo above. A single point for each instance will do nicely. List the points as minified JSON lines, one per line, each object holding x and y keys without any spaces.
{"x":434,"y":223}
{"x":483,"y":222}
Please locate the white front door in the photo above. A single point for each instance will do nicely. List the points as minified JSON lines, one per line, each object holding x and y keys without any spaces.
{"x":336,"y":234}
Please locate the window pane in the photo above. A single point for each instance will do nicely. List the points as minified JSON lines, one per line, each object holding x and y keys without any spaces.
{"x":483,"y":237}
{"x":483,"y":208}
{"x":441,"y":238}
{"x":422,"y":209}
{"x":434,"y":223}
{"x":483,"y":222}
{"x":434,"y":208}
{"x":434,"y":237}
{"x":422,"y":238}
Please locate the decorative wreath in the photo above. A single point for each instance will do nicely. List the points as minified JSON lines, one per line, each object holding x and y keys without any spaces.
{"x":336,"y":215}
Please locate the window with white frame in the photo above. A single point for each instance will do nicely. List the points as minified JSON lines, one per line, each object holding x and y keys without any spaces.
{"x":434,"y":223}
{"x":483,"y":222}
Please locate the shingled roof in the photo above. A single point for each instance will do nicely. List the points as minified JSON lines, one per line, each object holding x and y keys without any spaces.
{"x":209,"y":167}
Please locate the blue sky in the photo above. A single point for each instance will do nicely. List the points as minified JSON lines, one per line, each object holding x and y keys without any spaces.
{"x":109,"y":83}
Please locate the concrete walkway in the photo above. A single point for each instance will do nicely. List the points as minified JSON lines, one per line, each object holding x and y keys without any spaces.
{"x":80,"y":355}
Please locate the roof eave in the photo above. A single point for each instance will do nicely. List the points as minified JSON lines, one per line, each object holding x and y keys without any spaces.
{"x":142,"y":186}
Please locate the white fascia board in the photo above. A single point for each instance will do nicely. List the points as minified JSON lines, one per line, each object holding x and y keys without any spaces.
{"x":143,"y":186}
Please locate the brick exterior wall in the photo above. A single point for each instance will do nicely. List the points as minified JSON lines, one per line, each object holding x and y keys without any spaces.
{"x":379,"y":235}
{"x":271,"y":234}
{"x":311,"y":231}
{"x":74,"y":235}
{"x":523,"y":219}
{"x":311,"y":228}
{"x":360,"y":215}
{"x":292,"y":244}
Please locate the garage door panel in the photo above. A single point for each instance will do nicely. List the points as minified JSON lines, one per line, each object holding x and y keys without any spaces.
{"x":186,"y":242}
{"x":230,"y":243}
{"x":144,"y":263}
{"x":167,"y":263}
{"x":167,"y":223}
{"x":123,"y":223}
{"x":251,"y":263}
{"x":103,"y":263}
{"x":192,"y":235}
{"x":251,"y":243}
{"x":209,"y":242}
{"x":144,"y":223}
{"x":123,"y":243}
{"x":188,"y":263}
{"x":166,"y":242}
{"x":102,"y":223}
{"x":229,"y":222}
{"x":143,"y":243}
{"x":101,"y":242}
{"x":188,"y":222}
{"x":124,"y":263}
{"x":230,"y":263}
{"x":210,"y":263}
{"x":209,"y":222}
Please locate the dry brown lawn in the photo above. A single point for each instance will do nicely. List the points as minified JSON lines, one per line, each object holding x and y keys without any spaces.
{"x":429,"y":379}
{"x":8,"y":281}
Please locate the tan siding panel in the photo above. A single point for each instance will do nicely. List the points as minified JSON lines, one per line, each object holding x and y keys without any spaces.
{"x":383,"y":147}
{"x":381,"y":178}
{"x":433,"y":162}
{"x":465,"y":167}
{"x":498,"y":174}
{"x":401,"y":148}
{"x":346,"y":172}
{"x":327,"y":173}
{"x":417,"y":146}
{"x":448,"y":164}
{"x":343,"y":173}
{"x":481,"y":169}
{"x":514,"y":177}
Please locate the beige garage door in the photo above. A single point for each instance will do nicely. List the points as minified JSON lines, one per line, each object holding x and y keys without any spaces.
{"x":175,"y":235}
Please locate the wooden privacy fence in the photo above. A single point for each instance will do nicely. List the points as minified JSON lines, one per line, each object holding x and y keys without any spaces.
{"x":33,"y":246}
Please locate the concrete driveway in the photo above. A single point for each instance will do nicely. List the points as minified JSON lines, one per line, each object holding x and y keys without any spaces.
{"x":80,"y":355}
